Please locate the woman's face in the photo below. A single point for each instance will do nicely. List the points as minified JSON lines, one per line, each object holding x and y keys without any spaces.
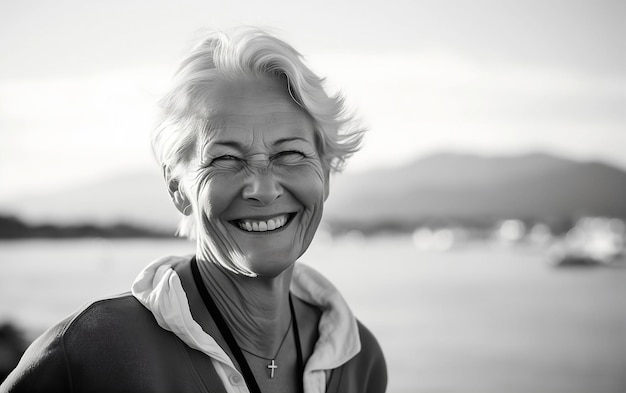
{"x":260,"y":184}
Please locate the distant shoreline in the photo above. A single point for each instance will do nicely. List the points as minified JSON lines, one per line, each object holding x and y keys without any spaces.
{"x":12,"y":228}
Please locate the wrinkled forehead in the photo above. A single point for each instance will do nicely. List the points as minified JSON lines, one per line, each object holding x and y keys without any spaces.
{"x":254,"y":105}
{"x":251,"y":96}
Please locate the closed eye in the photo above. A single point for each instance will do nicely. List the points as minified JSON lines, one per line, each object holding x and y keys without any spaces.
{"x":226,"y":157}
{"x":226,"y":160}
{"x":289,"y":154}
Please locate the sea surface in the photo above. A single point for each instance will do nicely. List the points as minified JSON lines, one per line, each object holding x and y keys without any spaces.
{"x":477,"y":318}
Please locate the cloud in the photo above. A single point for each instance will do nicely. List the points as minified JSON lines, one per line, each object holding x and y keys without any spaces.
{"x":56,"y":131}
{"x":416,"y":103}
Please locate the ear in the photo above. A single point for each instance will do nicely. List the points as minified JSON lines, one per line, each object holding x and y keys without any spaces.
{"x":176,"y":192}
{"x":326,"y":183}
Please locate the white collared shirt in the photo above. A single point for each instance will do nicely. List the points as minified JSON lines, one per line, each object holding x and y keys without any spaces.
{"x":159,"y":289}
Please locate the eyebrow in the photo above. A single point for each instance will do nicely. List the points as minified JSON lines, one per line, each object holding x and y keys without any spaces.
{"x":238,"y":146}
{"x":233,"y":144}
{"x":290,"y":139}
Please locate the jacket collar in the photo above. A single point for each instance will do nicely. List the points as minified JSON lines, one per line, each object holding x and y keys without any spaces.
{"x":158,"y":287}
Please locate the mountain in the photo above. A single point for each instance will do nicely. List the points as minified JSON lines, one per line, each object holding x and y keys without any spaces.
{"x":133,"y":198}
{"x":465,"y":187}
{"x":439,"y":187}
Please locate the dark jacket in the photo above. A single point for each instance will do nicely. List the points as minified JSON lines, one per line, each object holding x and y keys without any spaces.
{"x":116,"y":345}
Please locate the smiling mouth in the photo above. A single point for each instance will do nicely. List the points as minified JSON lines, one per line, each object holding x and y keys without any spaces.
{"x":272,"y":224}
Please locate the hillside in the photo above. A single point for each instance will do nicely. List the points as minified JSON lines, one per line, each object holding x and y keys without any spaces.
{"x":133,"y":198}
{"x":452,"y":186}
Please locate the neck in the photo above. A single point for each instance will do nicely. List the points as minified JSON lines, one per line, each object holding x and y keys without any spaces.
{"x":255,"y":309}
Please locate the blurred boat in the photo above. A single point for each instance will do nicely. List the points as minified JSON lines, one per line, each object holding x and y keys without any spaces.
{"x":593,"y":241}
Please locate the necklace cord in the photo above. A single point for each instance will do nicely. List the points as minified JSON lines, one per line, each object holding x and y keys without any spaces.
{"x":232,"y":342}
{"x":279,"y":347}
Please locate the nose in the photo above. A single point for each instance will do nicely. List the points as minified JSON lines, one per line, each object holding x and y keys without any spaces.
{"x":262,"y":186}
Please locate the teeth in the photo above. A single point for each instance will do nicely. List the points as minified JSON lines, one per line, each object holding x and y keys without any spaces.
{"x":263,"y":226}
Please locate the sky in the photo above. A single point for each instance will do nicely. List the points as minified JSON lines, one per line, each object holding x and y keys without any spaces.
{"x":79,"y":80}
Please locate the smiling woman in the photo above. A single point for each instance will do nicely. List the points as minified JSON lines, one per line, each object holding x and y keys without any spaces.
{"x":247,"y":142}
{"x":258,"y":166}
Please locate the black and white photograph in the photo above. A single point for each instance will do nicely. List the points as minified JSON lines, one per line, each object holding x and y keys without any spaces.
{"x":313,"y":197}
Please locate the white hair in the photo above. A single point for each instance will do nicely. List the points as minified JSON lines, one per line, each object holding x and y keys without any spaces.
{"x":248,"y":52}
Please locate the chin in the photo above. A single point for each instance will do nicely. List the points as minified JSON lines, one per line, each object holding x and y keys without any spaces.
{"x":270,"y":268}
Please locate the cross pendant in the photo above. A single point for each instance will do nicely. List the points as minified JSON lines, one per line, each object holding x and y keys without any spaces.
{"x":272,"y":367}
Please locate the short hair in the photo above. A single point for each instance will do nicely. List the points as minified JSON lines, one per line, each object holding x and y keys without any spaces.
{"x":247,"y":52}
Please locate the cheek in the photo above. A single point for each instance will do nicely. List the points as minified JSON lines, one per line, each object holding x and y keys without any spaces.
{"x":216,"y":194}
{"x":307,"y":185}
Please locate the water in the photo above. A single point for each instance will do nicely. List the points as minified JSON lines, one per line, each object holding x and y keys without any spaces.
{"x":474,"y":319}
